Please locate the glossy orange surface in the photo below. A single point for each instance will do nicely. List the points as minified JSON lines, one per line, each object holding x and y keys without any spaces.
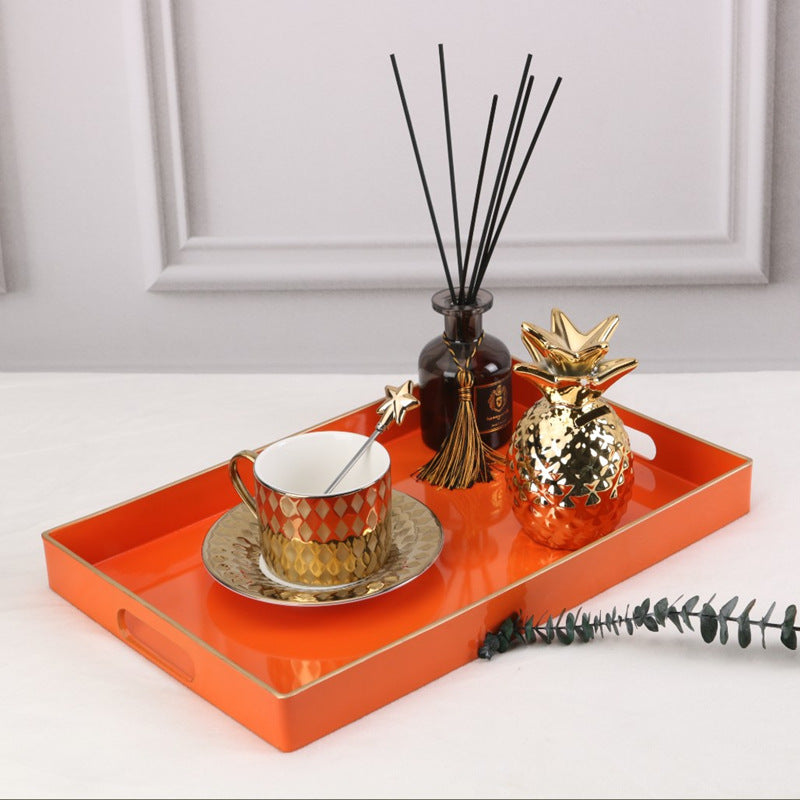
{"x":294,"y":674}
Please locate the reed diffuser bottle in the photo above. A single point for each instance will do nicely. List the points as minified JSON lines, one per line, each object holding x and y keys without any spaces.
{"x":489,"y":360}
{"x":465,"y":374}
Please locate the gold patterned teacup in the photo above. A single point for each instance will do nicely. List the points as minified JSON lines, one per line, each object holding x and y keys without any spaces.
{"x":310,"y":537}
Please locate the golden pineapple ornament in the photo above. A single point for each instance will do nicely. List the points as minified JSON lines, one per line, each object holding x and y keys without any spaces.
{"x":569,"y":466}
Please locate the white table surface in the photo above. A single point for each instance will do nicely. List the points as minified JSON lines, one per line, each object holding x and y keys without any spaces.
{"x":651,"y":715}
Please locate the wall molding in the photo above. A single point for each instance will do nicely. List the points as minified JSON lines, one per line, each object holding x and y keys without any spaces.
{"x":2,"y":274}
{"x":180,"y":259}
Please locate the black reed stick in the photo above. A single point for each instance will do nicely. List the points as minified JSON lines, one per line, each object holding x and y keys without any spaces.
{"x":519,"y":178}
{"x":506,"y":171}
{"x":460,"y":264}
{"x":424,"y":181}
{"x":483,"y":242}
{"x":492,"y":110}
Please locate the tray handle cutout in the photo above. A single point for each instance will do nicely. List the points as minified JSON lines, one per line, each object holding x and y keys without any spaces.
{"x":641,"y":443}
{"x":155,"y":645}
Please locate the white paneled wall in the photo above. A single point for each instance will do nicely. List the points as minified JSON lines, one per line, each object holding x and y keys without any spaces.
{"x":652,"y":169}
{"x":230,"y":185}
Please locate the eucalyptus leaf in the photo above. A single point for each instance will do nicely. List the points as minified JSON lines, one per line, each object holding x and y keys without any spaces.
{"x":507,"y":628}
{"x":788,"y":632}
{"x":660,"y":610}
{"x":629,"y":625}
{"x":564,"y":635}
{"x":688,"y":608}
{"x":675,"y":618}
{"x":745,"y":634}
{"x":586,"y":627}
{"x":708,"y":623}
{"x":650,"y":623}
{"x":528,"y":628}
{"x":542,"y":633}
{"x":723,"y":617}
{"x":727,"y":609}
{"x":763,"y":625}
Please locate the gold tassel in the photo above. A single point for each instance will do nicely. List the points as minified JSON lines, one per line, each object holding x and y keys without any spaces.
{"x":463,"y":458}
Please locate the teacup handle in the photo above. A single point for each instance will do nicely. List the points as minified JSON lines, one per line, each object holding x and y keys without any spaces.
{"x":238,"y":483}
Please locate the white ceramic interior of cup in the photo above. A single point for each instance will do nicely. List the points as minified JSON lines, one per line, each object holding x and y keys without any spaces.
{"x":307,"y":463}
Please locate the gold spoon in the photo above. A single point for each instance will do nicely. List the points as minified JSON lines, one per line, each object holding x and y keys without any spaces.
{"x":399,"y":399}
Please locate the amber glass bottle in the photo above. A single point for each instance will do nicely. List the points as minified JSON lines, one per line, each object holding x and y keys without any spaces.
{"x":490,"y":366}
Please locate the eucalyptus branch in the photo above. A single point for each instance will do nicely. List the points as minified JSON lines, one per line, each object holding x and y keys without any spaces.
{"x":580,"y":625}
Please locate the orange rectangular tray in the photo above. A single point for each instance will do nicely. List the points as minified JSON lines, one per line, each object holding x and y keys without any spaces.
{"x":294,"y":674}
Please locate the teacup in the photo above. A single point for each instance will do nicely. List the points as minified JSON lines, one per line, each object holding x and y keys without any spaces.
{"x":310,"y":537}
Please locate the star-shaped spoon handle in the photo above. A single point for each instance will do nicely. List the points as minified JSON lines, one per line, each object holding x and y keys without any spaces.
{"x":399,"y":400}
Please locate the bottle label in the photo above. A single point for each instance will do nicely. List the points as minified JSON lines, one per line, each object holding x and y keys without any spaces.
{"x":493,"y":405}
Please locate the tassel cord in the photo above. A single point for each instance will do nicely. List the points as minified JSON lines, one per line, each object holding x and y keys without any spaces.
{"x":463,"y":458}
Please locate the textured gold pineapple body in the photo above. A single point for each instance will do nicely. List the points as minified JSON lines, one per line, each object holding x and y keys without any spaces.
{"x":569,"y":472}
{"x":569,"y":465}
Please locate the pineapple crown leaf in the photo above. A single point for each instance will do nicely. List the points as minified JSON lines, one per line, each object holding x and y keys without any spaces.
{"x":549,"y":346}
{"x":576,"y":340}
{"x":542,"y":376}
{"x":611,"y":371}
{"x":566,"y":356}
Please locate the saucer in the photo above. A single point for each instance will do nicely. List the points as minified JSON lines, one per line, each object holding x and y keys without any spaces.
{"x":232,"y":555}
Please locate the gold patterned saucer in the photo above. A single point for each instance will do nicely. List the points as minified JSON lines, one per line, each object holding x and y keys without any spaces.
{"x":231,"y":553}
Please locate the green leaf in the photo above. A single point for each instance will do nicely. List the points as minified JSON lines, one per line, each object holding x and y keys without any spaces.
{"x":660,"y":611}
{"x":650,"y":623}
{"x":549,"y":630}
{"x":727,"y":609}
{"x":687,"y":609}
{"x":507,"y":628}
{"x":614,"y":625}
{"x":563,"y":635}
{"x":491,"y":645}
{"x":570,"y":624}
{"x":598,"y":625}
{"x":788,"y":633}
{"x":745,"y":636}
{"x":675,"y":618}
{"x":722,"y":618}
{"x":530,"y":637}
{"x":708,"y":623}
{"x":576,"y":621}
{"x":586,"y":627}
{"x":763,"y":625}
